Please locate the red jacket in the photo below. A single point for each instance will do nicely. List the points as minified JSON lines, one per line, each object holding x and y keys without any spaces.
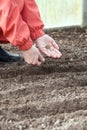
{"x":20,"y":22}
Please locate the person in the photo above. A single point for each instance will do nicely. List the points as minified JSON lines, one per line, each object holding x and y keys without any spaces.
{"x":21,"y":25}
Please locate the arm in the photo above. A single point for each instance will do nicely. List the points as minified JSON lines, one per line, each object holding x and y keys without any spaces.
{"x":33,"y":19}
{"x":17,"y":32}
{"x":14,"y":28}
{"x":36,"y":25}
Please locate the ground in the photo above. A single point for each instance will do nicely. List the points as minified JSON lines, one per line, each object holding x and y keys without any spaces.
{"x":52,"y":96}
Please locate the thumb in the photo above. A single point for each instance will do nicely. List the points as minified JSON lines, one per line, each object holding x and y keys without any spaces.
{"x":55,"y":45}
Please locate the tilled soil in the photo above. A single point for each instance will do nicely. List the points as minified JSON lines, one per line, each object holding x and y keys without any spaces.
{"x":52,"y":96}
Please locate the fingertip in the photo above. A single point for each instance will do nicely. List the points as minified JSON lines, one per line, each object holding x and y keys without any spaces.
{"x":43,"y":59}
{"x":38,"y":63}
{"x":60,"y":53}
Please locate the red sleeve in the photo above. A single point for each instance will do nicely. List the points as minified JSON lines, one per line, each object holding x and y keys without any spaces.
{"x":33,"y":19}
{"x":14,"y":28}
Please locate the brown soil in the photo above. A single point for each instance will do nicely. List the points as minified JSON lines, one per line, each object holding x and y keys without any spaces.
{"x":50,"y":97}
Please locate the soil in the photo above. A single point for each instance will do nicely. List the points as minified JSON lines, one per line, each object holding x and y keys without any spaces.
{"x":52,"y":96}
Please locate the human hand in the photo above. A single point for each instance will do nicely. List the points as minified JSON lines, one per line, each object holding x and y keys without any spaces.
{"x":48,"y":46}
{"x":33,"y":56}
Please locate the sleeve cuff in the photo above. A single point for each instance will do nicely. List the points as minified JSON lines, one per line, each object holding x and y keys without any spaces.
{"x":36,"y":34}
{"x":26,"y":46}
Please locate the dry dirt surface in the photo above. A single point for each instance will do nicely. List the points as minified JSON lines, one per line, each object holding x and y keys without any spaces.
{"x":52,"y":96}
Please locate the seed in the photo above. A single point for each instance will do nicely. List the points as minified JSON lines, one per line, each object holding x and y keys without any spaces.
{"x":47,"y":46}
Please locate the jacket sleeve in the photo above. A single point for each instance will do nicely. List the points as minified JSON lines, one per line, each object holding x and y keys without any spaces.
{"x":33,"y":19}
{"x":14,"y":28}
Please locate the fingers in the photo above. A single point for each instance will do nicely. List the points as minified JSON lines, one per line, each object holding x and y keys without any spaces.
{"x":45,"y":51}
{"x":35,"y":62}
{"x":33,"y":56}
{"x":55,"y":54}
{"x":58,"y":53}
{"x":38,"y":60}
{"x":52,"y":52}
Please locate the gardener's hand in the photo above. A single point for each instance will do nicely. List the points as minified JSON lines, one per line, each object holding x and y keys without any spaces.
{"x":48,"y":46}
{"x":33,"y":56}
